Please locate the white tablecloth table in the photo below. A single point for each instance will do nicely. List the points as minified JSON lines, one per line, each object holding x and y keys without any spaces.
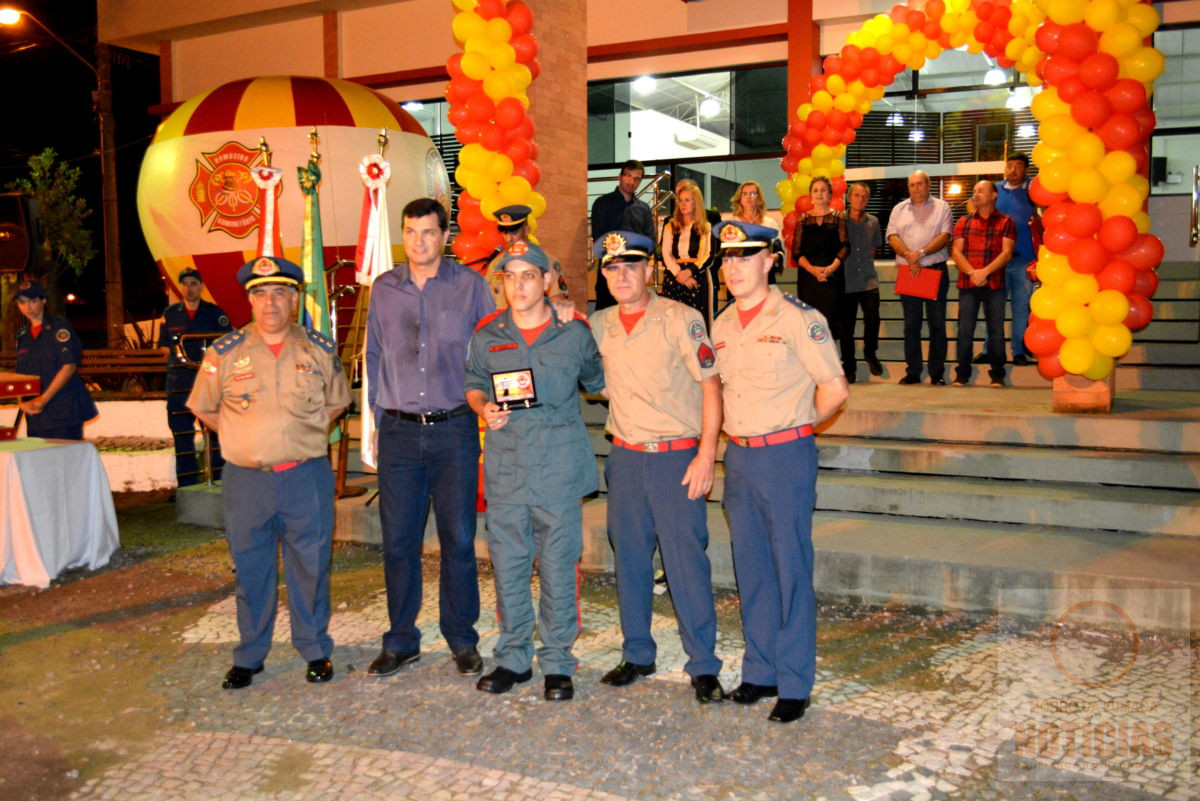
{"x":56,"y":510}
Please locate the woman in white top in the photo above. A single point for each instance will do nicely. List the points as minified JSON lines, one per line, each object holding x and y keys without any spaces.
{"x":686,"y":245}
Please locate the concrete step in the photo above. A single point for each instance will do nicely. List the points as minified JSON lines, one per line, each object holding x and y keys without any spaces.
{"x":1059,"y":504}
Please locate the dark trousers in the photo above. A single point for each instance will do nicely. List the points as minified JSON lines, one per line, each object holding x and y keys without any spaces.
{"x":919,"y":310}
{"x":416,"y":463}
{"x":262,"y":511}
{"x":183,"y":429}
{"x":52,"y":430}
{"x":969,"y":301}
{"x":847,"y":312}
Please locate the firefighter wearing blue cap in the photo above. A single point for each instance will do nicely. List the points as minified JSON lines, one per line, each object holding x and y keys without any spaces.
{"x":272,"y":389}
{"x":537,"y":465}
{"x":48,"y":347}
{"x":665,"y":419}
{"x":192,"y":315}
{"x":781,"y":376}
{"x":513,"y":224}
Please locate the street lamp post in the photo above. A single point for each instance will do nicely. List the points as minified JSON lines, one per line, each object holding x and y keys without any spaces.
{"x":114,"y":290}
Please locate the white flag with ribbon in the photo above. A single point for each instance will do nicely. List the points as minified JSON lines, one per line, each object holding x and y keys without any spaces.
{"x":373,"y":258}
{"x":270,"y":240}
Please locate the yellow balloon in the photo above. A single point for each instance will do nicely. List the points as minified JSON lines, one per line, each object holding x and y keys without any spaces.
{"x":1142,"y":221}
{"x":1144,"y":64}
{"x":532,"y":222}
{"x":1121,"y":199}
{"x":917,"y":42}
{"x":537,"y":203}
{"x":1087,"y":185}
{"x":845,"y":102}
{"x":1120,"y":40}
{"x":932,"y":49}
{"x":466,"y":25}
{"x":520,"y":76}
{"x":901,"y":32}
{"x":1043,"y":155}
{"x":958,"y":6}
{"x":785,"y":190}
{"x":902,"y":51}
{"x":499,"y":167}
{"x":464,"y":5}
{"x":480,"y":186}
{"x":838,"y":152}
{"x":858,"y":89}
{"x":1143,"y":17}
{"x":516,"y":189}
{"x":501,"y":56}
{"x":1060,"y":131}
{"x":1066,"y":12}
{"x":835,"y":84}
{"x":1047,"y":302}
{"x":463,"y":175}
{"x":475,"y":65}
{"x":1101,"y":14}
{"x":836,"y":168}
{"x":1113,"y":341}
{"x":1100,"y":369}
{"x":800,"y":185}
{"x":1047,"y":104}
{"x":864,"y":105}
{"x":497,"y":86}
{"x":498,"y":30}
{"x":916,"y":61}
{"x":1118,"y":166}
{"x":803,"y":110}
{"x":1139,"y":183}
{"x":877,"y":92}
{"x":1056,"y":176}
{"x":822,"y":154}
{"x":1054,"y":269}
{"x":821,"y":172}
{"x":1077,"y":355}
{"x":1109,"y":307}
{"x":1080,"y":288}
{"x":1014,"y":49}
{"x":949,"y":21}
{"x":490,"y":203}
{"x":822,"y":100}
{"x":1074,"y":321}
{"x":1087,"y":151}
{"x":884,"y":43}
{"x":474,"y":156}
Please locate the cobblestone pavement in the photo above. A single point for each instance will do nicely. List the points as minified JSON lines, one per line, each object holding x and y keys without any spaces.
{"x":111,"y":690}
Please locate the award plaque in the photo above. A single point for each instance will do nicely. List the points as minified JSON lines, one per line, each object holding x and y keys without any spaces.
{"x":514,"y":389}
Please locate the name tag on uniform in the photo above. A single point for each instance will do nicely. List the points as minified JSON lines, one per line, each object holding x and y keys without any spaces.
{"x":772,"y":339}
{"x":514,"y":389}
{"x":506,"y":346}
{"x":308,"y":369}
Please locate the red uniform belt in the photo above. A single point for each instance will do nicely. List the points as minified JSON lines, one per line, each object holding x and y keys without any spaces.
{"x":655,"y":447}
{"x":279,"y":468}
{"x":774,"y":438}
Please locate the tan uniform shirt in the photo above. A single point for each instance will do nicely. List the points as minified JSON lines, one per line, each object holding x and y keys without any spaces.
{"x":495,"y":281}
{"x":770,"y":370}
{"x":271,"y":410}
{"x":653,"y":373}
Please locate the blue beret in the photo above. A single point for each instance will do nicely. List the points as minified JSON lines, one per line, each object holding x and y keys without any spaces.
{"x":616,"y":244}
{"x":31,"y":290}
{"x":738,"y":234}
{"x":189,"y":272}
{"x":525,"y":252}
{"x":513,"y":216}
{"x":270,"y":270}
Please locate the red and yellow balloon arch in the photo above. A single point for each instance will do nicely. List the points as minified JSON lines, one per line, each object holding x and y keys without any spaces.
{"x":1092,"y":58}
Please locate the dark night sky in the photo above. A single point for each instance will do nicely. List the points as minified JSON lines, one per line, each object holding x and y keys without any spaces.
{"x":49,"y":104}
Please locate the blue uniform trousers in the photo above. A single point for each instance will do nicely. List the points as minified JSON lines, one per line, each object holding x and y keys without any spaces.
{"x":554,"y":535}
{"x":645,"y":501}
{"x":183,"y":429}
{"x":769,"y":496}
{"x":415,"y":462}
{"x":263,"y":509}
{"x":934,"y":313}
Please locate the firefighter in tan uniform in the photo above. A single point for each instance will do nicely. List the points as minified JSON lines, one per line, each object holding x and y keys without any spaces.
{"x":665,"y":420}
{"x":782,"y":375}
{"x":271,"y":390}
{"x":513,"y":224}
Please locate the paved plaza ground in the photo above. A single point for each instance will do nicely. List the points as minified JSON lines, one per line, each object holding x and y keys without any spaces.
{"x":110,"y":689}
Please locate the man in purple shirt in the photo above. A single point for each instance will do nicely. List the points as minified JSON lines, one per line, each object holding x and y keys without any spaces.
{"x":419,"y":323}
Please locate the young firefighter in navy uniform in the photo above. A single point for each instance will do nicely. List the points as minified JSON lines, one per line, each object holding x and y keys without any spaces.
{"x":782,"y":376}
{"x":192,"y":315}
{"x":537,"y":466}
{"x":49,"y":348}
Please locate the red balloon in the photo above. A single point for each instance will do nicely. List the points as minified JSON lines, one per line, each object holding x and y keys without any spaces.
{"x":1071,"y":89}
{"x":1091,"y":109}
{"x":1058,"y":240}
{"x":996,"y":44}
{"x":1042,"y":196}
{"x":870,"y":77}
{"x":530,"y":171}
{"x":1146,"y":120}
{"x":510,"y":114}
{"x":833,"y":65}
{"x":1140,"y":312}
{"x":1059,"y":68}
{"x":796,"y":128}
{"x":804,"y":204}
{"x":535,"y":68}
{"x":1118,"y":275}
{"x":1141,"y":155}
{"x":838,"y":204}
{"x":1055,"y":216}
{"x":869,"y":57}
{"x":850,"y":70}
{"x":526,"y":47}
{"x":1099,"y":71}
{"x":838,"y":118}
{"x":1145,"y":283}
{"x":934,"y":10}
{"x":933,"y":29}
{"x":890,"y":65}
{"x":469,"y":132}
{"x":1083,"y":220}
{"x":1077,"y":41}
{"x":461,"y":89}
{"x":816,"y":83}
{"x":839,"y":186}
{"x":469,"y":219}
{"x":1048,"y":37}
{"x":480,"y":108}
{"x":493,"y":137}
{"x":831,"y":136}
{"x":789,"y":222}
{"x":520,"y":17}
{"x":1146,"y":253}
{"x":1119,"y":132}
{"x":533,"y":150}
{"x":984,"y":30}
{"x":898,"y":14}
{"x":1087,"y":256}
{"x":1042,"y":338}
{"x":848,"y":136}
{"x":489,"y":9}
{"x":812,"y":137}
{"x":789,"y":164}
{"x":914,"y":19}
{"x":1117,"y":234}
{"x":458,"y":116}
{"x":468,"y":201}
{"x":1049,"y":367}
{"x":788,"y":142}
{"x":1001,"y":16}
{"x":850,"y":54}
{"x":1126,"y":95}
{"x":817,"y":119}
{"x":454,"y":65}
{"x":854,"y":119}
{"x":984,"y":10}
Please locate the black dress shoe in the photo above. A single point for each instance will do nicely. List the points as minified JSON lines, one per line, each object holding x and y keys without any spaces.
{"x":1021,"y":360}
{"x":937,"y":382}
{"x":910,"y":379}
{"x":626,"y":673}
{"x":239,"y":677}
{"x":875,"y":367}
{"x":559,"y":688}
{"x":501,"y":680}
{"x":467,"y":661}
{"x":708,"y":689}
{"x":788,"y":709}
{"x":747,"y":693}
{"x":319,"y":670}
{"x":388,"y":662}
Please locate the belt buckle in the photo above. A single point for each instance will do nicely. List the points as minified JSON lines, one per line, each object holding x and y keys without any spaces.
{"x":650,"y":447}
{"x":423,"y":421}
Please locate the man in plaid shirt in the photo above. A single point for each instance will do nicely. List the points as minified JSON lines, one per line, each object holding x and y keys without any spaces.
{"x":983,"y":243}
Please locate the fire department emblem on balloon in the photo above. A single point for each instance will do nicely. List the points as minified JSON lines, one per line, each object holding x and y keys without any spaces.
{"x":224,"y":191}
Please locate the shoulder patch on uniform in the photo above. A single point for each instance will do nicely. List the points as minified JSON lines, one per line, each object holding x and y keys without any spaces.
{"x":696,"y":330}
{"x":795,"y":301}
{"x":705,"y":356}
{"x":487,"y":320}
{"x":228,"y":341}
{"x":62,"y":335}
{"x":325,"y":343}
{"x":817,"y":332}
